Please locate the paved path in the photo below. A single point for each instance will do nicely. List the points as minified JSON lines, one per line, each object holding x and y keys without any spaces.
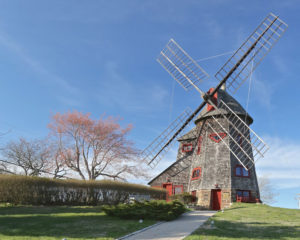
{"x":174,"y":230}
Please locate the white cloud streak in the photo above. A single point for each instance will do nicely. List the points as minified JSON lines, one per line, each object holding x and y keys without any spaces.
{"x":282,"y":163}
{"x":51,"y":78}
{"x":116,"y":90}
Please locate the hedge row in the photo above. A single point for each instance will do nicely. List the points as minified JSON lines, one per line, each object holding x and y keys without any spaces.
{"x":44,"y":191}
{"x":156,"y":210}
{"x":185,"y":198}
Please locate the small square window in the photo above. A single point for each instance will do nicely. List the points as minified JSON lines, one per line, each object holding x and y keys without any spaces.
{"x":178,"y":189}
{"x":243,"y":195}
{"x":187,"y":147}
{"x":246,"y":194}
{"x":196,"y":174}
{"x":238,"y":171}
{"x":245,"y":173}
{"x":239,"y":193}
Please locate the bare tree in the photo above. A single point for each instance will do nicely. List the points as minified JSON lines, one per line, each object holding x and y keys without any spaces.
{"x":94,"y":148}
{"x":56,"y":164}
{"x":4,"y":166}
{"x":267,"y":192}
{"x":4,"y":169}
{"x":31,"y":156}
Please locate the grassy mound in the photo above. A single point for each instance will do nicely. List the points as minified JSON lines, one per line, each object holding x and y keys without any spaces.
{"x":251,"y":221}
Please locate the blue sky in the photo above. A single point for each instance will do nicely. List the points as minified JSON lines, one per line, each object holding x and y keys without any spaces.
{"x":99,"y":57}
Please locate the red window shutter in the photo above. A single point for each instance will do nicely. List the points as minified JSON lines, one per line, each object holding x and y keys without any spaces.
{"x":199,"y":145}
{"x":217,"y":137}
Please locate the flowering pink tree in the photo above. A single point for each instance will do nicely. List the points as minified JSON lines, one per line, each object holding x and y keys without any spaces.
{"x":94,"y":148}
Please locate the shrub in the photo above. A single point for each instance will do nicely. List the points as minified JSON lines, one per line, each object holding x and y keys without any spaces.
{"x":154,"y":209}
{"x":44,"y":191}
{"x":184,"y":198}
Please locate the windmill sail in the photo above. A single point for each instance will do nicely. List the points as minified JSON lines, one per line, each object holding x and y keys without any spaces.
{"x":181,"y":66}
{"x":184,"y":160}
{"x":245,"y":144}
{"x":179,"y":166}
{"x":234,"y":73}
{"x":157,"y":149}
{"x":237,"y":69}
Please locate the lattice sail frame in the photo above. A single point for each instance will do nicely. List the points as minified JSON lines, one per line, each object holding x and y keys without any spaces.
{"x":234,"y":72}
{"x":244,"y":144}
{"x":259,"y":43}
{"x":179,"y":166}
{"x":185,"y":70}
{"x":150,"y":153}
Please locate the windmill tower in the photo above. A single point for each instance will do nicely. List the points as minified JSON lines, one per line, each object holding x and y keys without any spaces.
{"x":215,"y":160}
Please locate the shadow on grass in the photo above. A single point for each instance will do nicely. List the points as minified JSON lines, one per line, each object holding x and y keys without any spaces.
{"x":86,"y":227}
{"x":23,"y":210}
{"x":247,"y":230}
{"x":233,"y":208}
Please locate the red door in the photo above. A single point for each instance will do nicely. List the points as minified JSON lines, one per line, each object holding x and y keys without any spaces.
{"x":216,"y":199}
{"x":169,"y":188}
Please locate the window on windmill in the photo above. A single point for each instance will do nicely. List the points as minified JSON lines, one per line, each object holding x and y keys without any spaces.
{"x":240,"y":171}
{"x":196,"y":174}
{"x":239,"y":193}
{"x":178,"y":189}
{"x":217,"y":137}
{"x":243,"y":193}
{"x":188,"y":147}
{"x":245,"y":173}
{"x":246,"y":194}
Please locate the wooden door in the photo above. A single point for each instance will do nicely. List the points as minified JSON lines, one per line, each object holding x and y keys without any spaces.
{"x":169,"y":188}
{"x":194,"y":194}
{"x":216,"y":199}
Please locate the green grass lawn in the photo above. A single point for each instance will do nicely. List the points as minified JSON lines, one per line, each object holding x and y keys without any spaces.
{"x":251,"y":221}
{"x":72,"y":223}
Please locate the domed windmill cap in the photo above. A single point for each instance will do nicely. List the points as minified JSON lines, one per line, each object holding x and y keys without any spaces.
{"x":230,"y":102}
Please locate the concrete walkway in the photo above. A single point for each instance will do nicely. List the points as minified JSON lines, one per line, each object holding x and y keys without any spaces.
{"x":174,"y":230}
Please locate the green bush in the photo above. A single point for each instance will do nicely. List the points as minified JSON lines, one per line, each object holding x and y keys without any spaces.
{"x":44,"y":191}
{"x":185,"y":198}
{"x":155,"y":209}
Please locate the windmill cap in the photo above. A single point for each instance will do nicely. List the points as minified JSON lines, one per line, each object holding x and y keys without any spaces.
{"x":230,"y":102}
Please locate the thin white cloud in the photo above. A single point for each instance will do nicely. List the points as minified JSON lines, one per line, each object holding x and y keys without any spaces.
{"x":261,"y":93}
{"x":36,"y":66}
{"x":71,"y":102}
{"x":280,"y":65}
{"x":116,"y":90}
{"x":282,"y":163}
{"x":213,"y":27}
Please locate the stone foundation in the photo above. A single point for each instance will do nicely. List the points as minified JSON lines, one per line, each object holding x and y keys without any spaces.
{"x":204,"y":198}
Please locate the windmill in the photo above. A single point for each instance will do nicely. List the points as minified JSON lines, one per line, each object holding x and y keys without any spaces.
{"x":224,"y":119}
